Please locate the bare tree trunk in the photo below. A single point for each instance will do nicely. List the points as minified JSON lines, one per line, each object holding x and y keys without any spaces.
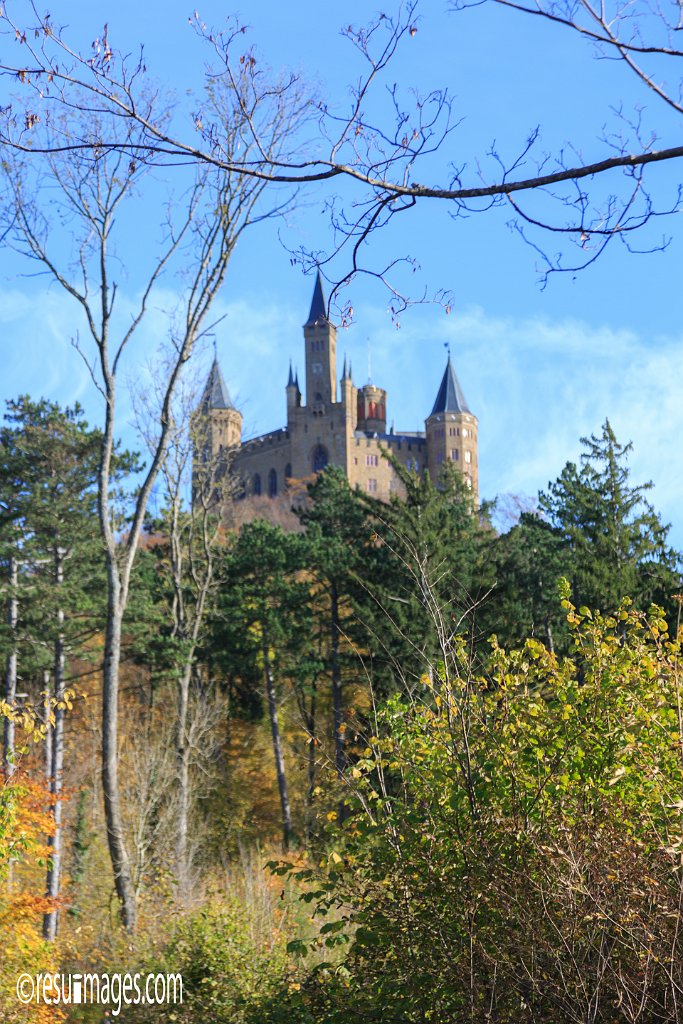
{"x":50,"y":919}
{"x":551,"y":640}
{"x":312,"y":743}
{"x":287,"y":831}
{"x":11,"y":669}
{"x":183,"y":760}
{"x":48,"y":727}
{"x":94,"y":192}
{"x":123,"y":878}
{"x":337,"y":699}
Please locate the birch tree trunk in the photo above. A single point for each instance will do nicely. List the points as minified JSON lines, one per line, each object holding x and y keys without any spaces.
{"x":70,"y":199}
{"x":50,"y":919}
{"x":183,"y":762}
{"x":287,"y":831}
{"x":337,"y":700}
{"x":47,"y":747}
{"x":11,"y":669}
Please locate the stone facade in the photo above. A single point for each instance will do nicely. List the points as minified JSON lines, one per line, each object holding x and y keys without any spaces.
{"x":342,"y":426}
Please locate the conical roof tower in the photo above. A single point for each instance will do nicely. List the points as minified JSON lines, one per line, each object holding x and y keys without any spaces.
{"x":215,"y":394}
{"x":450,"y":396}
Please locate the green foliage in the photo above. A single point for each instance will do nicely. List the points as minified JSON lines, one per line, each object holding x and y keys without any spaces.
{"x":49,"y":462}
{"x":335,"y":554}
{"x":526,"y":564}
{"x":263,"y":606}
{"x":516,"y":843}
{"x":48,"y":470}
{"x":424,"y":575}
{"x":614,"y":543}
{"x":228,"y":973}
{"x":336,"y":549}
{"x":148,"y":622}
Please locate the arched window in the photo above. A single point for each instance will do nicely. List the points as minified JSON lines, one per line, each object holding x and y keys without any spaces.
{"x":272,"y":484}
{"x":288,"y":471}
{"x":320,"y":458}
{"x":256,"y":484}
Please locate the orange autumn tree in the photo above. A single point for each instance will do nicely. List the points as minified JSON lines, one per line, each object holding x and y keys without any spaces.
{"x":26,"y":821}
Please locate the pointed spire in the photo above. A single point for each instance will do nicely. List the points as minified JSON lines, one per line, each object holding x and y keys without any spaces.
{"x":350,"y":371}
{"x":450,"y":397}
{"x":290,"y":381}
{"x":343,"y":376}
{"x":296,"y":382}
{"x":318,"y":311}
{"x":216,"y":394}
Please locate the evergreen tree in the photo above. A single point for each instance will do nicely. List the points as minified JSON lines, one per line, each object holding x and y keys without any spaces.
{"x":48,"y":530}
{"x":264,"y":604}
{"x":427,"y":574}
{"x":527,"y":563}
{"x":614,"y":543}
{"x":336,"y":543}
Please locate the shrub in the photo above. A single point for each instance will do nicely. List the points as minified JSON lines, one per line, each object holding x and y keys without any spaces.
{"x":516,"y":847}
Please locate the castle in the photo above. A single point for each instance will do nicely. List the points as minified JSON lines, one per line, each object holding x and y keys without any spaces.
{"x":341,"y":426}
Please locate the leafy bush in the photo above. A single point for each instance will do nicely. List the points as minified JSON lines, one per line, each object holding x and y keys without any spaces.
{"x":516,"y":847}
{"x":228,"y":972}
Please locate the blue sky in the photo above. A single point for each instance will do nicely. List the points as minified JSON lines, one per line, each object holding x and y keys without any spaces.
{"x":539,"y":367}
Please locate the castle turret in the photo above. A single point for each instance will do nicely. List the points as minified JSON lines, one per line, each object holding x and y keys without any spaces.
{"x":293,"y":393}
{"x":217,"y":434}
{"x":348,"y":398}
{"x":321,"y":352}
{"x":219,"y":422}
{"x":451,"y":430}
{"x":372,"y":409}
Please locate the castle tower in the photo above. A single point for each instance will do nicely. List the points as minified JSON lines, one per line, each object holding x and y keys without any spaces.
{"x":321,"y":352}
{"x":219,"y":423}
{"x":451,"y":430}
{"x":372,"y":409}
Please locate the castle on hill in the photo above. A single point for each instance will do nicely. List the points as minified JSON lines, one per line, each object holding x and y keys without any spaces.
{"x":339,"y":425}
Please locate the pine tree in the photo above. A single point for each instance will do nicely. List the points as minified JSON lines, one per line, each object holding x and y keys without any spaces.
{"x":336,"y":543}
{"x":527,"y":563}
{"x":614,"y":543}
{"x":48,"y":526}
{"x":264,"y":604}
{"x":426,"y":576}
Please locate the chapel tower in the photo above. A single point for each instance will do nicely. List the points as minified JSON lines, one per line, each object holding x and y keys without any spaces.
{"x":320,"y":337}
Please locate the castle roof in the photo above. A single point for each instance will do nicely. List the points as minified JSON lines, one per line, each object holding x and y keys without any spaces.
{"x":318,"y":309}
{"x":450,"y":397}
{"x":415,"y":437}
{"x":216,"y":394}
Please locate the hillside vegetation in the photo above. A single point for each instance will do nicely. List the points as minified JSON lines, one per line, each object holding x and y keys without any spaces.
{"x":377,"y":762}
